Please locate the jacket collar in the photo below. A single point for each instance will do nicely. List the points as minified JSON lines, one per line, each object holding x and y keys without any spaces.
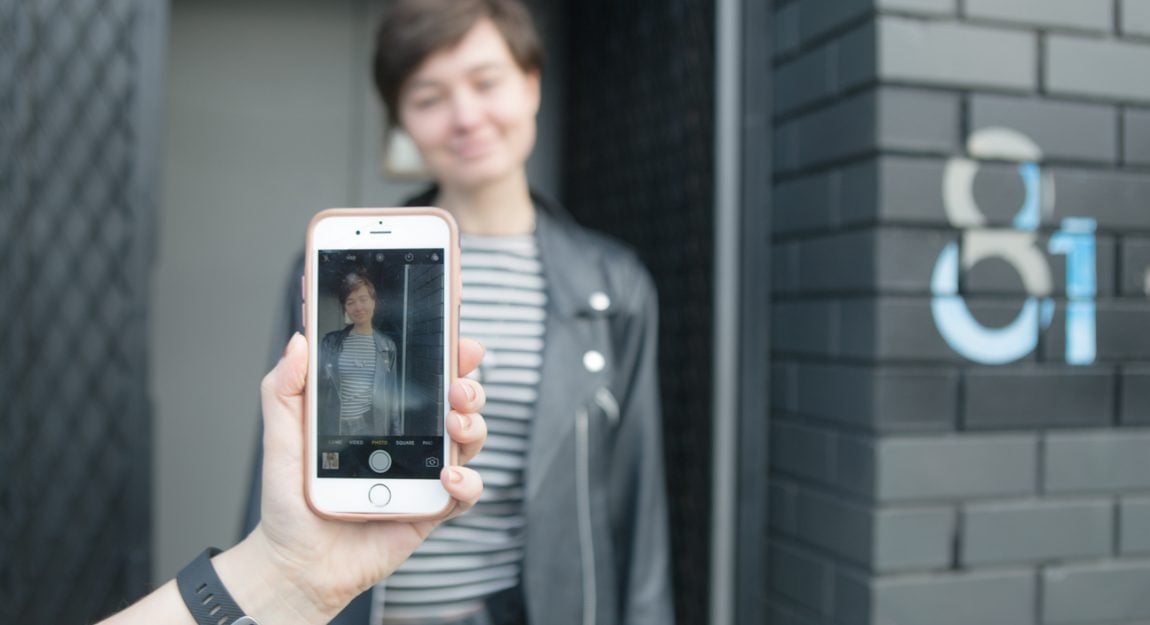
{"x":560,"y":246}
{"x":561,"y":243}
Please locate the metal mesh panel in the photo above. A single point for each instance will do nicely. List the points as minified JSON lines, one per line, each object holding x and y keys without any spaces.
{"x":638,"y":158}
{"x":73,"y":412}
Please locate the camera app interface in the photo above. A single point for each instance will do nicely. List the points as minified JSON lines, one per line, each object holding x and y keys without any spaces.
{"x":380,"y":396}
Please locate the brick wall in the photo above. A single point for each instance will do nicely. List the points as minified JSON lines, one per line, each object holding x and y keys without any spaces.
{"x":424,"y":350}
{"x":961,"y":321}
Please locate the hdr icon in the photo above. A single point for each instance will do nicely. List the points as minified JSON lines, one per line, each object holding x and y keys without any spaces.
{"x":1018,"y":246}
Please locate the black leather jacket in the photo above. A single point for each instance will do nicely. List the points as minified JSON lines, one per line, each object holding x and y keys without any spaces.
{"x":385,"y":395}
{"x":597,"y":542}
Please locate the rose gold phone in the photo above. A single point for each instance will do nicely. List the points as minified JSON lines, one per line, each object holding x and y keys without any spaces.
{"x":381,"y":304}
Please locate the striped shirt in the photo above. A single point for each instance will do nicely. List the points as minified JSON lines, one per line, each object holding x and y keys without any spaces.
{"x":480,"y":553}
{"x":356,"y":374}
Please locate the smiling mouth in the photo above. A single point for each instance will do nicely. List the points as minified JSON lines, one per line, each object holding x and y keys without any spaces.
{"x":470,"y":151}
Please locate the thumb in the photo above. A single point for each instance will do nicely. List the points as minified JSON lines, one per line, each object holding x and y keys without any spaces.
{"x":289,"y":377}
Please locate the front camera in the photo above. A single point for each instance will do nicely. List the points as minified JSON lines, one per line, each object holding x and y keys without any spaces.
{"x":357,"y":231}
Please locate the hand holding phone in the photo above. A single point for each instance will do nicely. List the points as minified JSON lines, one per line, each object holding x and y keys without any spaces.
{"x":381,"y":315}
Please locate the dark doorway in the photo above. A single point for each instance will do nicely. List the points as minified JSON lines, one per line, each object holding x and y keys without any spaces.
{"x":637,"y":163}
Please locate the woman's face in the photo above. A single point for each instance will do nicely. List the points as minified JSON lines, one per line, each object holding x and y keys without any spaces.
{"x":360,"y":306}
{"x":471,"y":110}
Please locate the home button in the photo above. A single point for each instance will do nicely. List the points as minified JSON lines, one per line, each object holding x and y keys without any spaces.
{"x":379,"y":495}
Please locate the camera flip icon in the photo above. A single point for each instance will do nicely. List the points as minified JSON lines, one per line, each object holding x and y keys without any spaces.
{"x":431,"y":462}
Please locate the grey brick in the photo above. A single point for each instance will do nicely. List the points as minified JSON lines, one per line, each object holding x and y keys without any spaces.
{"x":783,"y":515}
{"x":1036,"y":531}
{"x":803,"y":327}
{"x":835,"y":525}
{"x":857,"y":52}
{"x":1134,"y":274}
{"x":1117,"y":199}
{"x":804,"y":452}
{"x":1090,"y":593}
{"x":837,"y":263}
{"x":786,"y":29}
{"x":1134,"y":525}
{"x":888,"y":399}
{"x":1073,"y":68}
{"x":1063,"y":130}
{"x":1121,"y":328}
{"x":859,"y":196}
{"x":784,"y":268}
{"x":801,"y":576}
{"x":1135,"y":17}
{"x":857,"y":464}
{"x":819,"y":17}
{"x":1037,"y":397}
{"x":900,"y":539}
{"x":956,"y":55}
{"x":893,"y":328}
{"x":912,"y":539}
{"x":956,"y":467}
{"x":843,"y":129}
{"x":789,"y":615}
{"x":807,"y":79}
{"x":913,"y":119}
{"x":881,"y":119}
{"x":923,"y":7}
{"x":1102,"y":461}
{"x":882,"y":260}
{"x":853,"y":598}
{"x":909,"y":190}
{"x":786,"y":147}
{"x":807,"y":203}
{"x":903,"y":256}
{"x":1072,"y":14}
{"x":999,"y":597}
{"x":1135,"y":401}
{"x":1136,"y":139}
{"x":914,"y":399}
{"x":784,"y":386}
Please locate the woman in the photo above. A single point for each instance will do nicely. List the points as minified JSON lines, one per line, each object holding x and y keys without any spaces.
{"x":568,"y":318}
{"x":572,"y":527}
{"x":358,"y":375}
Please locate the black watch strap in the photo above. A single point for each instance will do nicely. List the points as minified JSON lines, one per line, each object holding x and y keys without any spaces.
{"x":205,"y":595}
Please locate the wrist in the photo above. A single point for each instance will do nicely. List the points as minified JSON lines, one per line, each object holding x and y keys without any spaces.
{"x":269,"y":588}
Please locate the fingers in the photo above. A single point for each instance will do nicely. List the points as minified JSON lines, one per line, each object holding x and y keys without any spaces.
{"x":464,"y":424}
{"x":469,"y":431}
{"x":464,"y":485}
{"x":466,"y":396}
{"x":470,"y":353}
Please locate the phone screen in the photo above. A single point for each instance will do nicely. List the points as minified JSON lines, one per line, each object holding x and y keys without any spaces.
{"x":380,"y":379}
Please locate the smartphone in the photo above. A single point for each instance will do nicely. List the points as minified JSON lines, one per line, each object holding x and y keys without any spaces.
{"x":381,"y":298}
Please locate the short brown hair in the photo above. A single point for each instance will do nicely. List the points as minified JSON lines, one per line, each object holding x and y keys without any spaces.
{"x":352,"y":282}
{"x":413,"y":30}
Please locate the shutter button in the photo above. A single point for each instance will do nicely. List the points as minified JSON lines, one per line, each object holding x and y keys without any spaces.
{"x":594,"y":361}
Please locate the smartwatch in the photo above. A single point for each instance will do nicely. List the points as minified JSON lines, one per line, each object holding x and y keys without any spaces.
{"x":205,"y":595}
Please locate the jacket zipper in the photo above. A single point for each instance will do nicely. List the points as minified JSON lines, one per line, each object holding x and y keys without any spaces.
{"x":583,"y":495}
